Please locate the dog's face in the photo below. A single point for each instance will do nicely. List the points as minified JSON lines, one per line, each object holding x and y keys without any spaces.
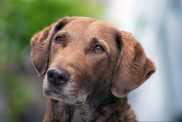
{"x":81,"y":58}
{"x":79,"y":55}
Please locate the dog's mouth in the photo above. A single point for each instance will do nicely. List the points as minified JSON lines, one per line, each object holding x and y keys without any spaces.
{"x":51,"y":93}
{"x":73,"y":96}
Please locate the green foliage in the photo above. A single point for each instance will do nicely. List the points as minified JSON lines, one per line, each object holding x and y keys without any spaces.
{"x":18,"y":95}
{"x":19,"y":20}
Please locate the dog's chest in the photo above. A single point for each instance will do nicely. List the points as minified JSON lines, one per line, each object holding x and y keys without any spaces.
{"x":68,"y":113}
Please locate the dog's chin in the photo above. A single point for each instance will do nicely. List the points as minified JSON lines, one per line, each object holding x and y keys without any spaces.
{"x":69,"y":99}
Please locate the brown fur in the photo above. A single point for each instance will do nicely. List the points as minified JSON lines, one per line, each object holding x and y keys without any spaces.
{"x":100,"y":77}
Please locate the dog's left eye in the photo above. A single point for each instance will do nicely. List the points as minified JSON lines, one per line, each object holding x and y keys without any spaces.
{"x":60,"y":39}
{"x":98,"y":49}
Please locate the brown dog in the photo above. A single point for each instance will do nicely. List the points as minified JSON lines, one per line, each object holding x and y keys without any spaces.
{"x":89,"y":69}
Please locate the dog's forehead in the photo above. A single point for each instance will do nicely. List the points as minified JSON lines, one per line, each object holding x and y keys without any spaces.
{"x":101,"y":30}
{"x":89,"y":27}
{"x":78,"y":25}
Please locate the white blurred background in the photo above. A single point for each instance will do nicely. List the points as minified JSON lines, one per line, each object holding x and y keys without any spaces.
{"x":157,"y":24}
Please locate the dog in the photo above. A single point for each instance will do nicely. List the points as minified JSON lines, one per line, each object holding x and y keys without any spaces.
{"x":89,"y":67}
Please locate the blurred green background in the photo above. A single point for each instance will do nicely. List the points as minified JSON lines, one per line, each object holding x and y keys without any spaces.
{"x":19,"y":20}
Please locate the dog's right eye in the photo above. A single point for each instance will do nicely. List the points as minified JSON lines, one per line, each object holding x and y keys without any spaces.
{"x":98,"y":49}
{"x":59,"y":39}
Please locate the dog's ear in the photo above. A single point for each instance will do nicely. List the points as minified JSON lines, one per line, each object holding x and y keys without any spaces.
{"x":41,"y":44}
{"x":132,"y":68}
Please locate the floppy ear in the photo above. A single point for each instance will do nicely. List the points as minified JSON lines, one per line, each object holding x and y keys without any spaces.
{"x":41,"y":45}
{"x":133,"y":67}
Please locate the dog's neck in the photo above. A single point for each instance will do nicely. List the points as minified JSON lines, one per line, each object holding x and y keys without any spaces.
{"x":97,"y":109}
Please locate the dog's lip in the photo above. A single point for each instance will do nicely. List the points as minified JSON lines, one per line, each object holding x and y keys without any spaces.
{"x":50,"y":92}
{"x":53,"y":94}
{"x":47,"y":92}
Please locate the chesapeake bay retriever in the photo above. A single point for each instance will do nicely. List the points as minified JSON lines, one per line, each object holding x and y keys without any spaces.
{"x":89,"y":67}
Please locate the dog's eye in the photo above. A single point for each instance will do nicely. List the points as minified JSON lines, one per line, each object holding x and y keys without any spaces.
{"x":98,"y":49}
{"x":60,"y":39}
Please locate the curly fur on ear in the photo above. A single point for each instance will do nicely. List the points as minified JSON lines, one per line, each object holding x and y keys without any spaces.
{"x":41,"y":45}
{"x":133,"y":67}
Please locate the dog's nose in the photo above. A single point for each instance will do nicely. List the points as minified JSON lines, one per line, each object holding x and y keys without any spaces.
{"x":57,"y":76}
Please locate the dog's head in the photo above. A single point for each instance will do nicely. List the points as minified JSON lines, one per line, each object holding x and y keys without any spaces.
{"x":78,"y":54}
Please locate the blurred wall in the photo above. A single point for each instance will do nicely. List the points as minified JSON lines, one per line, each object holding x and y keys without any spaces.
{"x":158,"y":27}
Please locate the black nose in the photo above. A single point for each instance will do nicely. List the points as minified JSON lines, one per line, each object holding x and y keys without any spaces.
{"x":57,"y":76}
